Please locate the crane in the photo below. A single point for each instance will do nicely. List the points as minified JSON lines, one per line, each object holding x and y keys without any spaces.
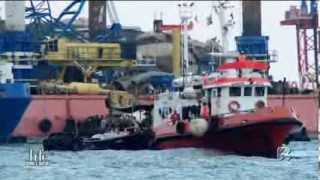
{"x":306,"y":23}
{"x":42,"y":23}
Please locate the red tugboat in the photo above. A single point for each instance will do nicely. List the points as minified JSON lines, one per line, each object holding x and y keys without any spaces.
{"x":232,"y":116}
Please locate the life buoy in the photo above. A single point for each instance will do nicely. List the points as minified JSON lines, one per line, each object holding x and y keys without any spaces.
{"x":45,"y":125}
{"x":234,"y":106}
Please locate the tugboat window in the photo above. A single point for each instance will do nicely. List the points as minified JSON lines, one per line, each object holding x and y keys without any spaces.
{"x":53,"y":45}
{"x":219,"y":92}
{"x":259,"y":91}
{"x":100,"y":53}
{"x":208,"y":92}
{"x":235,"y":91}
{"x":247,"y":91}
{"x":214,"y":93}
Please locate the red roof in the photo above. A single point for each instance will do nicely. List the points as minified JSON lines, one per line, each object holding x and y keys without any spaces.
{"x":227,"y":81}
{"x":171,"y":27}
{"x":244,"y":63}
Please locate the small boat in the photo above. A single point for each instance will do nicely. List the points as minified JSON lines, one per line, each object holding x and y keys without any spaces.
{"x":120,"y":141}
{"x":118,"y":137}
{"x":232,"y":116}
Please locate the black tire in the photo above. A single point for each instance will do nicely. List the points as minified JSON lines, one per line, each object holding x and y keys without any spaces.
{"x":45,"y":125}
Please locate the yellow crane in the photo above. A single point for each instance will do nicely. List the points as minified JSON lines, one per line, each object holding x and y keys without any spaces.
{"x":86,"y":56}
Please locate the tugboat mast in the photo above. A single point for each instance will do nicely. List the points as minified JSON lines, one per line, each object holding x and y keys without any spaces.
{"x":226,"y":23}
{"x":185,"y":12}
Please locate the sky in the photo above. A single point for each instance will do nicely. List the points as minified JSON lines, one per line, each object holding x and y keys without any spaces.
{"x":281,"y":38}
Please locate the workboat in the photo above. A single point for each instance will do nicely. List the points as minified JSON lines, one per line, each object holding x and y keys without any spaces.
{"x":119,"y":133}
{"x":120,"y":141}
{"x":109,"y":140}
{"x":232,"y":116}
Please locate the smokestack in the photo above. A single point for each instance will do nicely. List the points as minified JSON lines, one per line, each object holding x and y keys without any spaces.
{"x":157,"y":23}
{"x":97,"y":18}
{"x":251,"y":17}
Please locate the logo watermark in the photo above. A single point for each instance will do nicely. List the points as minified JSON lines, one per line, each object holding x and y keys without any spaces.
{"x":36,"y":156}
{"x":283,"y":152}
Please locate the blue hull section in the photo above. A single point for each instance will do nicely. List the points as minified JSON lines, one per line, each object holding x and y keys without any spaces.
{"x":14,"y":100}
{"x":11,"y":110}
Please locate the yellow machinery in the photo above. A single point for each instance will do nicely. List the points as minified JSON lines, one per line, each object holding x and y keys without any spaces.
{"x":86,"y":88}
{"x":176,"y":52}
{"x":71,"y":88}
{"x":86,"y":56}
{"x":121,"y":99}
{"x":118,"y":98}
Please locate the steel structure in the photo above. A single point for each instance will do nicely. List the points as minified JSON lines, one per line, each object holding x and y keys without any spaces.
{"x":43,"y":23}
{"x":306,"y":24}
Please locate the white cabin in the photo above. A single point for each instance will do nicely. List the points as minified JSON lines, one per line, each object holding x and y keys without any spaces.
{"x":235,"y":90}
{"x":247,"y":96}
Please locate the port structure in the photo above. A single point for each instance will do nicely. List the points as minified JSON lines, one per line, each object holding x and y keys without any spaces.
{"x":177,"y":30}
{"x":306,"y":24}
{"x":86,"y":56}
{"x":23,"y":45}
{"x":42,"y":22}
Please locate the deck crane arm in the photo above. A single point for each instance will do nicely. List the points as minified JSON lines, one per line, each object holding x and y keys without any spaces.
{"x":113,"y":15}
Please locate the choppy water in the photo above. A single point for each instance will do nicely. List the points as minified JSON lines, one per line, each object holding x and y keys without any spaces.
{"x":167,"y":164}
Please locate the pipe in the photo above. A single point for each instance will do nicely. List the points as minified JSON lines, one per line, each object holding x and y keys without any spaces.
{"x":176,"y":53}
{"x":185,"y":47}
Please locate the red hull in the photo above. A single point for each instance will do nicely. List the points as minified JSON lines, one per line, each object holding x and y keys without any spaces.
{"x":258,"y":137}
{"x":259,"y":140}
{"x":57,"y":109}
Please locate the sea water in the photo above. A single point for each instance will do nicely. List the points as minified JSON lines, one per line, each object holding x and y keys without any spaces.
{"x":300,"y":163}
